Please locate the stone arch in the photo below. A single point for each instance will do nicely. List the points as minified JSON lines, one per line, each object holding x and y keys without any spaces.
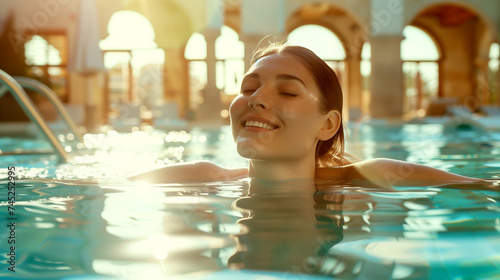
{"x":489,"y":36}
{"x":348,"y":28}
{"x":332,"y":29}
{"x":339,"y":20}
{"x":434,"y":37}
{"x":346,"y":25}
{"x":489,"y":23}
{"x":459,"y":30}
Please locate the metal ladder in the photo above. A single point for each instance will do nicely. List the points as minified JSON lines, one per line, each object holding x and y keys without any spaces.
{"x":15,"y":86}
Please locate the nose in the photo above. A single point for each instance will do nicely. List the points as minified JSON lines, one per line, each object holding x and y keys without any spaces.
{"x":258,"y":99}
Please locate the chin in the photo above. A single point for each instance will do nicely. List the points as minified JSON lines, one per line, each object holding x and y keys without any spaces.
{"x":248,"y":151}
{"x":250,"y":148}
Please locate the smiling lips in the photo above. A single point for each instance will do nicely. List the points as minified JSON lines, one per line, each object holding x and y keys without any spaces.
{"x":263,"y":124}
{"x":258,"y":124}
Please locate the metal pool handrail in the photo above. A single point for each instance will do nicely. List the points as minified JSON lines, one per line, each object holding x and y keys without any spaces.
{"x":30,"y":110}
{"x":44,"y":90}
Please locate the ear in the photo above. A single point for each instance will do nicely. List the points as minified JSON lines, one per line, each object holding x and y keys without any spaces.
{"x":331,"y":124}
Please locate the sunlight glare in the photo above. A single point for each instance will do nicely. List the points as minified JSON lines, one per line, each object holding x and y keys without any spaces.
{"x":129,"y":30}
{"x":228,"y":45}
{"x":366,"y":55}
{"x":196,"y":47}
{"x":320,"y":40}
{"x":39,"y":52}
{"x":418,"y":45}
{"x":494,"y":57}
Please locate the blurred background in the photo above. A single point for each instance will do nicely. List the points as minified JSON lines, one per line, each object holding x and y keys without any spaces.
{"x":174,"y":63}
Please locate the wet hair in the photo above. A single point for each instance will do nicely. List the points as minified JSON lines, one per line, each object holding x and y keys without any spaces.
{"x":331,"y":151}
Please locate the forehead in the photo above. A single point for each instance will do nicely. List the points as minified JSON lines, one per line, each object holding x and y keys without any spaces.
{"x":276,"y":64}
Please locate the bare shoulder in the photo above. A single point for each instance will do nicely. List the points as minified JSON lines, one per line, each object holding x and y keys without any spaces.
{"x":389,"y":172}
{"x":396,"y":172}
{"x":197,"y":171}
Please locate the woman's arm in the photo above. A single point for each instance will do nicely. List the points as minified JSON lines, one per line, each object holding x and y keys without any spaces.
{"x":388,"y":172}
{"x":198,"y":171}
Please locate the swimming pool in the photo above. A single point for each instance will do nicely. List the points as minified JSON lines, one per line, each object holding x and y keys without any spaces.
{"x":83,"y":220}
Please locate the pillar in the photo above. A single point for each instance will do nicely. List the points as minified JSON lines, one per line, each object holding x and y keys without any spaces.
{"x":210,"y":109}
{"x":352,"y":91}
{"x":386,"y":77}
{"x":386,"y":84}
{"x":482,"y":92}
{"x":261,"y":18}
{"x":497,"y":86}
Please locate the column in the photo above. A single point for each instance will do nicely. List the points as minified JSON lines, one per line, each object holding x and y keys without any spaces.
{"x":352,"y":90}
{"x":210,"y":109}
{"x":260,"y":18}
{"x":386,"y":82}
{"x":497,"y":86}
{"x":481,"y":94}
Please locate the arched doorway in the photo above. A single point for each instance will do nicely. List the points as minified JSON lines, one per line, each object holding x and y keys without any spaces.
{"x":323,"y":42}
{"x":46,"y":59}
{"x":196,"y":55}
{"x":464,"y":36}
{"x":135,"y":65}
{"x":420,"y":57}
{"x":339,"y":32}
{"x":229,"y":68}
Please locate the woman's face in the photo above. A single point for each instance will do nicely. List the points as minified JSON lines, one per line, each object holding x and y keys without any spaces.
{"x":276,"y":115}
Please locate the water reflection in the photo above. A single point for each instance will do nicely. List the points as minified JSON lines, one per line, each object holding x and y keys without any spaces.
{"x":346,"y":230}
{"x":53,"y":226}
{"x":287,"y":228}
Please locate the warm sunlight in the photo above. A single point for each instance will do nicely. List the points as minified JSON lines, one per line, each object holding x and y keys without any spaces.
{"x":494,"y":57}
{"x":39,"y":52}
{"x":417,"y":45}
{"x":129,"y":30}
{"x":319,"y":39}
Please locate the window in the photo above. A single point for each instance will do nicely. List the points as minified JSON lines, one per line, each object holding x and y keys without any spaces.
{"x":46,"y":56}
{"x":323,"y":42}
{"x":230,"y":67}
{"x":196,"y":53}
{"x":420,"y":69}
{"x":135,"y":64}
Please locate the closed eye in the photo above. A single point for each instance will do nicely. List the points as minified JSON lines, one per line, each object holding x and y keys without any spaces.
{"x":288,"y":94}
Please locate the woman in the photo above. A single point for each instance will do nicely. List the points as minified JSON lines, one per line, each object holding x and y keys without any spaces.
{"x":287,"y":121}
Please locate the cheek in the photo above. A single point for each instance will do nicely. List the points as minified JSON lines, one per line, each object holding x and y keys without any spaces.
{"x":303,"y":114}
{"x":236,"y":109}
{"x":237,"y":106}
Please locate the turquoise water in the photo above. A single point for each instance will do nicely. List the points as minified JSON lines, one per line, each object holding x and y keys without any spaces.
{"x":82,"y":220}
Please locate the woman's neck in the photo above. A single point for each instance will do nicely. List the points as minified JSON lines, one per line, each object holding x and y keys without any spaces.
{"x":280,"y":170}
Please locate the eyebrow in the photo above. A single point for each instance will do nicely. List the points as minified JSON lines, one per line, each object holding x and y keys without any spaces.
{"x":279,"y":77}
{"x":290,"y":77}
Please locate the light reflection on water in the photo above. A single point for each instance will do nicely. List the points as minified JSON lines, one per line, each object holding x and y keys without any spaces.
{"x":344,"y":230}
{"x":467,"y":151}
{"x":101,"y":224}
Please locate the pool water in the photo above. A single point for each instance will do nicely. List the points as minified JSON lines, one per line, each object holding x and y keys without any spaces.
{"x":83,"y":220}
